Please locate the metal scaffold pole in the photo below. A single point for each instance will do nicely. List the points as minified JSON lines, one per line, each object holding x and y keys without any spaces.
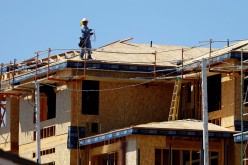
{"x":241,"y":108}
{"x":37,"y":115}
{"x":205,"y":112}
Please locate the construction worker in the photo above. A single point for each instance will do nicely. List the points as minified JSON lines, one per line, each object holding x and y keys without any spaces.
{"x":85,"y":39}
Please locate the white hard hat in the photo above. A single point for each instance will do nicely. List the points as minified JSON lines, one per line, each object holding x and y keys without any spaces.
{"x":85,"y":20}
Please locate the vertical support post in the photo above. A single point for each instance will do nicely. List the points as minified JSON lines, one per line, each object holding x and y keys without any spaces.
{"x":201,"y":153}
{"x":109,"y":158}
{"x":205,"y":112}
{"x":210,"y":50}
{"x":169,"y":155}
{"x":122,"y":153}
{"x":9,"y":74}
{"x":37,"y":58}
{"x":138,"y":156}
{"x":241,"y":107}
{"x":225,"y":152}
{"x":13,"y":74}
{"x":155,"y":65}
{"x":48,"y":64}
{"x":1,"y":77}
{"x":37,"y":115}
{"x":182,"y":63}
{"x":1,"y":116}
{"x":228,"y":42}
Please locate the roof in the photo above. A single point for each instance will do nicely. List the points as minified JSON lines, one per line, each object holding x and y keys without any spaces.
{"x":131,"y":53}
{"x":193,"y":128}
{"x":117,"y":56}
{"x":219,"y":55}
{"x":196,"y":125}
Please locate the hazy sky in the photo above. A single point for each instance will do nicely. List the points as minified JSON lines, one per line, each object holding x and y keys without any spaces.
{"x":27,"y":26}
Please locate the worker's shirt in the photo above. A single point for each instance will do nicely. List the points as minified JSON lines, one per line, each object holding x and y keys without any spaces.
{"x":85,"y":33}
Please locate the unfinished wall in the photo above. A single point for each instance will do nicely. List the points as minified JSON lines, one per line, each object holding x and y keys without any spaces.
{"x":229,"y":99}
{"x":5,"y":131}
{"x":147,"y":145}
{"x":27,"y":145}
{"x":133,"y":105}
{"x":121,"y":108}
{"x":226,"y":114}
{"x":125,"y":106}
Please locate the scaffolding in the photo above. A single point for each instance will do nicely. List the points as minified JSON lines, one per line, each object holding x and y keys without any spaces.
{"x":44,"y":70}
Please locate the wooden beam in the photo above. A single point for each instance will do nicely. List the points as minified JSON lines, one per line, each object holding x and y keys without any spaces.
{"x":125,"y":40}
{"x":9,"y":94}
{"x":193,"y":145}
{"x":105,"y":149}
{"x":57,"y":79}
{"x":23,"y":90}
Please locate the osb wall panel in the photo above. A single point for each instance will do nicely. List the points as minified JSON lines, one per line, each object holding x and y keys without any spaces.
{"x":227,"y":94}
{"x":237,"y":97}
{"x":77,"y":119}
{"x":124,"y":107}
{"x":228,"y":122}
{"x":133,"y":105}
{"x":26,"y":125}
{"x":6,"y":146}
{"x":63,"y":111}
{"x":5,"y":131}
{"x":147,"y":145}
{"x":61,"y":155}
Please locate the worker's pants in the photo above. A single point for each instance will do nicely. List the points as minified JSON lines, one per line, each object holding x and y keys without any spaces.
{"x":88,"y":49}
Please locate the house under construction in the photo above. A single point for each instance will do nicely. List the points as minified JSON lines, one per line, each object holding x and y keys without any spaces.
{"x":133,"y":104}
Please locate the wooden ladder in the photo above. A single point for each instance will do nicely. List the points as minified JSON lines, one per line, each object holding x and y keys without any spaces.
{"x":173,"y":115}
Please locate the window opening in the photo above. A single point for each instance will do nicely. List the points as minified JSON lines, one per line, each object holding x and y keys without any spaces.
{"x":47,"y":103}
{"x":214,"y":92}
{"x":90,"y":99}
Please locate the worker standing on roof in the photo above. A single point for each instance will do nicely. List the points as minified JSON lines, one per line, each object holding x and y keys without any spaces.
{"x":85,"y":42}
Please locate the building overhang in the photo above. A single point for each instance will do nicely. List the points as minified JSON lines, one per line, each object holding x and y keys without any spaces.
{"x":150,"y":131}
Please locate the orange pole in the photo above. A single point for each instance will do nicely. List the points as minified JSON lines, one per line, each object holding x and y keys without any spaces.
{"x":13,"y":74}
{"x":48,"y":64}
{"x":9,"y":74}
{"x":155,"y":64}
